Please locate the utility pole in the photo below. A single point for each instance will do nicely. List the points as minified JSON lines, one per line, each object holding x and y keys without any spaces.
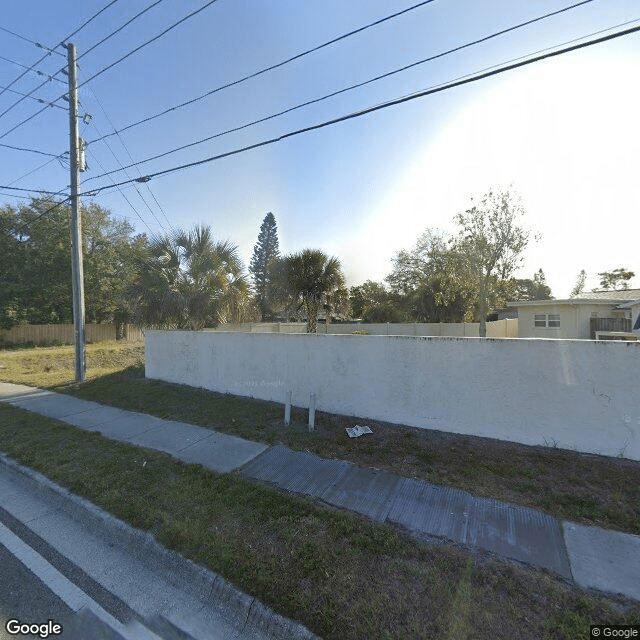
{"x":76,"y":225}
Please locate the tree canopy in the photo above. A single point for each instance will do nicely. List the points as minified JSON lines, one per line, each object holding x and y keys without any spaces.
{"x":311,"y":278}
{"x":35,"y":262}
{"x":490,"y":244}
{"x":616,"y":278}
{"x":187,"y":280}
{"x":265,"y":255}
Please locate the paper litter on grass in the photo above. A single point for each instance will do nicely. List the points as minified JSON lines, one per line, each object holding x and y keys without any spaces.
{"x":356,"y":431}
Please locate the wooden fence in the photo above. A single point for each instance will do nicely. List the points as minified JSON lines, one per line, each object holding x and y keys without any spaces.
{"x":609,"y":324}
{"x":39,"y":334}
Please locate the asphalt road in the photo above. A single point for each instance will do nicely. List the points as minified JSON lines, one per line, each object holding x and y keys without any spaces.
{"x":24,"y":597}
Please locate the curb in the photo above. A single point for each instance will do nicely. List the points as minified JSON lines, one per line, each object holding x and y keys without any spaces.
{"x":255,"y":620}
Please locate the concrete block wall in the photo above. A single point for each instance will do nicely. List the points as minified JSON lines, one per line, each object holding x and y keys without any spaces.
{"x":573,"y":394}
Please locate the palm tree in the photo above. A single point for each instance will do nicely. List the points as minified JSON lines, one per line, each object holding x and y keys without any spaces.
{"x":311,"y":277}
{"x":189,"y":281}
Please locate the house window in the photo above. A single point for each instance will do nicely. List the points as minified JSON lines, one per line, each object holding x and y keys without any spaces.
{"x":540,"y":320}
{"x":551,"y":320}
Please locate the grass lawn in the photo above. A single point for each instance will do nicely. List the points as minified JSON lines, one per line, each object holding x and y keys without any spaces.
{"x":339,"y":574}
{"x":49,"y":367}
{"x":585,"y":488}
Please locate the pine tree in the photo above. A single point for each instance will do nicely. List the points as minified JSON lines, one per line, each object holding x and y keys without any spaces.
{"x":265,"y":253}
{"x":579,"y":286}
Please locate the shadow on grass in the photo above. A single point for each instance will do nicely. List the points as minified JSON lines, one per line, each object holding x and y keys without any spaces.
{"x":586,"y":488}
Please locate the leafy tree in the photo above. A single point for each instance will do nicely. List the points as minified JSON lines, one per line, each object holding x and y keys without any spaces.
{"x":431,"y":283}
{"x":35,"y":262}
{"x":366,"y":297}
{"x":187,"y":280}
{"x":527,"y":289}
{"x":616,"y":279}
{"x":336,"y":302}
{"x":490,"y":242}
{"x":311,"y":276}
{"x":579,"y":286}
{"x":286,"y":302}
{"x":265,"y":254}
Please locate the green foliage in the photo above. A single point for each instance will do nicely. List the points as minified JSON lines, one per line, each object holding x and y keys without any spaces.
{"x":311,"y":278}
{"x":579,"y":286}
{"x":186,"y":280}
{"x":490,"y":244}
{"x":265,"y":255}
{"x":372,"y":302}
{"x":616,"y":278}
{"x":430,"y":283}
{"x":35,"y":262}
{"x":526,"y":289}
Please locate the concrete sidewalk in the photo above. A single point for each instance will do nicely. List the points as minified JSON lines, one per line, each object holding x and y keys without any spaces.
{"x":594,"y":558}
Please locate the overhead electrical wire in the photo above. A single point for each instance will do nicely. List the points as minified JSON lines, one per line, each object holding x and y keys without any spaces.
{"x":136,"y":188}
{"x":378,"y":107}
{"x":52,"y":77}
{"x":113,"y":33}
{"x":339,"y":91}
{"x":50,"y":51}
{"x":42,"y":153}
{"x":38,"y":72}
{"x":33,"y":42}
{"x":42,"y":166}
{"x":148,"y":42}
{"x":122,"y":142}
{"x":49,"y":193}
{"x":40,"y":100}
{"x":144,"y":222}
{"x":95,"y":75}
{"x":272,"y":67}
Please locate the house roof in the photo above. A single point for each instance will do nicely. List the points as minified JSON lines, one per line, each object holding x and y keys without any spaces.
{"x":555,"y":303}
{"x":623,"y":295}
{"x":628,"y":305}
{"x":617,"y":297}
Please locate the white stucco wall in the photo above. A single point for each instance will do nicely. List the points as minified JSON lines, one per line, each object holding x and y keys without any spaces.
{"x":577,"y":394}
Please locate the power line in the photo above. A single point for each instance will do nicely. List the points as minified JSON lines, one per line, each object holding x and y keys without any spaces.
{"x":52,"y":77}
{"x":136,"y":188}
{"x":37,"y":44}
{"x":122,"y":142}
{"x":15,"y":195}
{"x":42,"y":153}
{"x":340,"y":91}
{"x":42,"y":166}
{"x":160,"y":35}
{"x":42,"y":215}
{"x":127,"y":200}
{"x":24,"y":66}
{"x":40,"y":100}
{"x":49,"y":193}
{"x":378,"y":107}
{"x":173,"y":26}
{"x":49,"y":51}
{"x":271,"y":68}
{"x":113,"y":33}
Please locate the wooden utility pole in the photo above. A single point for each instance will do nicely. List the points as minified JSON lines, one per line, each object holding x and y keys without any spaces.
{"x":76,"y":224}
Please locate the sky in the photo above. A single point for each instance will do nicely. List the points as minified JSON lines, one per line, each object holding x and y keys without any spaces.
{"x":562,"y":133}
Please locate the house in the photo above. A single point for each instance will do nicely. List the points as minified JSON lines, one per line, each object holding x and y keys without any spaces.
{"x":589,"y":315}
{"x":634,"y":308}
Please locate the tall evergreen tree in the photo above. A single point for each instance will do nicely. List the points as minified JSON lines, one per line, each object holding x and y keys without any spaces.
{"x":265,"y":253}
